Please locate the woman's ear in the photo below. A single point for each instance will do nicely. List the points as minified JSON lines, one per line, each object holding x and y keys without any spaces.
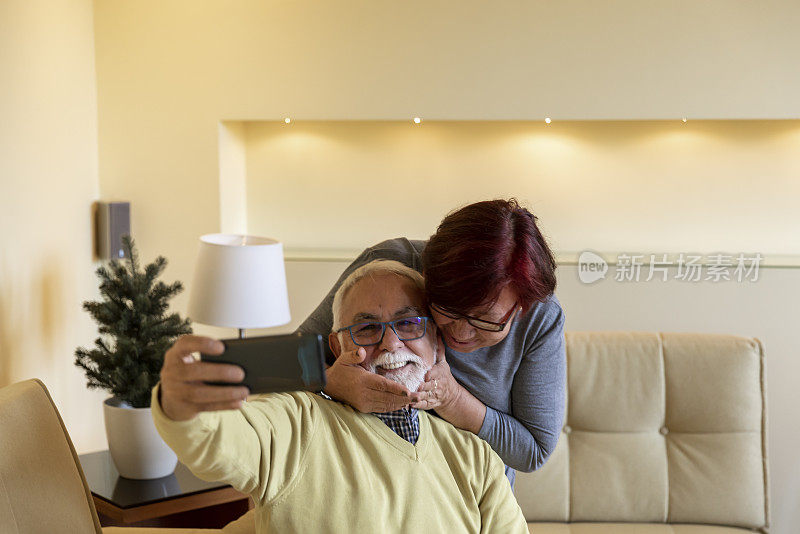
{"x":333,"y":343}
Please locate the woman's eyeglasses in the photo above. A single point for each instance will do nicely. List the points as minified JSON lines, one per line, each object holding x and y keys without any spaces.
{"x":480,"y":324}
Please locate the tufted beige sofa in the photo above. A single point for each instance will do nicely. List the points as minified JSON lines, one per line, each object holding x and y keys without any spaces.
{"x":664,"y":433}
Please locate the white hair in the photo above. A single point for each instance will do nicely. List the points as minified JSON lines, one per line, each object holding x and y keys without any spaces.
{"x":370,"y":269}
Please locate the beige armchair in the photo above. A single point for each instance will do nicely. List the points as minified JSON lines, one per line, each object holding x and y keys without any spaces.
{"x":664,"y":433}
{"x":42,"y":487}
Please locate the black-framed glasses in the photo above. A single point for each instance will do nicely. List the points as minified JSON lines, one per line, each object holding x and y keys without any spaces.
{"x":371,"y":333}
{"x":480,"y":324}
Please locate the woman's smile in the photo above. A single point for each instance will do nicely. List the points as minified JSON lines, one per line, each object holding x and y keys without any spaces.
{"x":457,"y":343}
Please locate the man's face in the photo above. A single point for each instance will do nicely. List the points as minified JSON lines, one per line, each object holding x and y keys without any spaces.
{"x":384,"y":297}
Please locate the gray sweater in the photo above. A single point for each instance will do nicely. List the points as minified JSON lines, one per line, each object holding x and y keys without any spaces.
{"x":521,"y":380}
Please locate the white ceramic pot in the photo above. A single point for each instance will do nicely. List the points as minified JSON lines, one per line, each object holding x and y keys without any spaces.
{"x":135,"y":446}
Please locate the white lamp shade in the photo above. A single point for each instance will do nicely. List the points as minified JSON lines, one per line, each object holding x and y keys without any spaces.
{"x":239,"y":282}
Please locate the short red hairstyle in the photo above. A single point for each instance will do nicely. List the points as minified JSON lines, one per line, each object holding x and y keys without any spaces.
{"x":482,"y":248}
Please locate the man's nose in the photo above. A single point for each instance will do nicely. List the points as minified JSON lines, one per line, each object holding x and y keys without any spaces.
{"x":390,"y":341}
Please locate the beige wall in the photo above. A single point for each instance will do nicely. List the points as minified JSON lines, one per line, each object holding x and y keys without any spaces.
{"x":48,"y":181}
{"x":604,"y":185}
{"x":520,"y":59}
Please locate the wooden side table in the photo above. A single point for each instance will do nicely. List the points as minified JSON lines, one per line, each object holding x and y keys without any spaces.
{"x":177,"y":500}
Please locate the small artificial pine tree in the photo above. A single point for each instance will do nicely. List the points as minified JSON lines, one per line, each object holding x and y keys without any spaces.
{"x":135,"y":331}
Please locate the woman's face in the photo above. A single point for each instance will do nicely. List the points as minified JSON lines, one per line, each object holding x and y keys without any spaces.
{"x":459,"y":335}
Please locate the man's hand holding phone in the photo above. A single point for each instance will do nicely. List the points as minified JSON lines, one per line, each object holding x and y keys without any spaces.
{"x":184,"y":393}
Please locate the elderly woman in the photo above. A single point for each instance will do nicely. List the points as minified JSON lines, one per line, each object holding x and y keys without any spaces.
{"x":489,"y":278}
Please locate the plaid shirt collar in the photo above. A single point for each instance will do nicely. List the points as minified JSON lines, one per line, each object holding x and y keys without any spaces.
{"x":404,"y":422}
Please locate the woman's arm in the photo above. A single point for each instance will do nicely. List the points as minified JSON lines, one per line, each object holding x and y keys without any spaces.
{"x":452,"y":401}
{"x":525,"y":437}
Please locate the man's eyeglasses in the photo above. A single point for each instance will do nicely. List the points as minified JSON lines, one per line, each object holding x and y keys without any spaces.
{"x":371,"y":333}
{"x":480,"y":324}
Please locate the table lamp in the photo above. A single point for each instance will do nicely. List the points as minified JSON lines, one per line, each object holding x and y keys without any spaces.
{"x":239,"y":282}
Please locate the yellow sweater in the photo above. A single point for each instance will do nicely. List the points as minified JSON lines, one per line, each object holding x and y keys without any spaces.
{"x":318,"y":466}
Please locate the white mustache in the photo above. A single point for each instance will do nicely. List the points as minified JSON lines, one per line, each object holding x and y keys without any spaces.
{"x":402,"y":355}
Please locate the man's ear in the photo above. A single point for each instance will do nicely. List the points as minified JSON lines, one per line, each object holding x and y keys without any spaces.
{"x":333,"y":343}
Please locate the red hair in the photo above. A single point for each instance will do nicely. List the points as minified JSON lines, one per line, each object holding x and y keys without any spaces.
{"x":482,"y":248}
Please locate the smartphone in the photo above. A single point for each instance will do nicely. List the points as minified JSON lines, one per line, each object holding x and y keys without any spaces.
{"x":273,"y":364}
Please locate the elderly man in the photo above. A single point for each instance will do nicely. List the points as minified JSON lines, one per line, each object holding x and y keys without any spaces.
{"x":315,"y":465}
